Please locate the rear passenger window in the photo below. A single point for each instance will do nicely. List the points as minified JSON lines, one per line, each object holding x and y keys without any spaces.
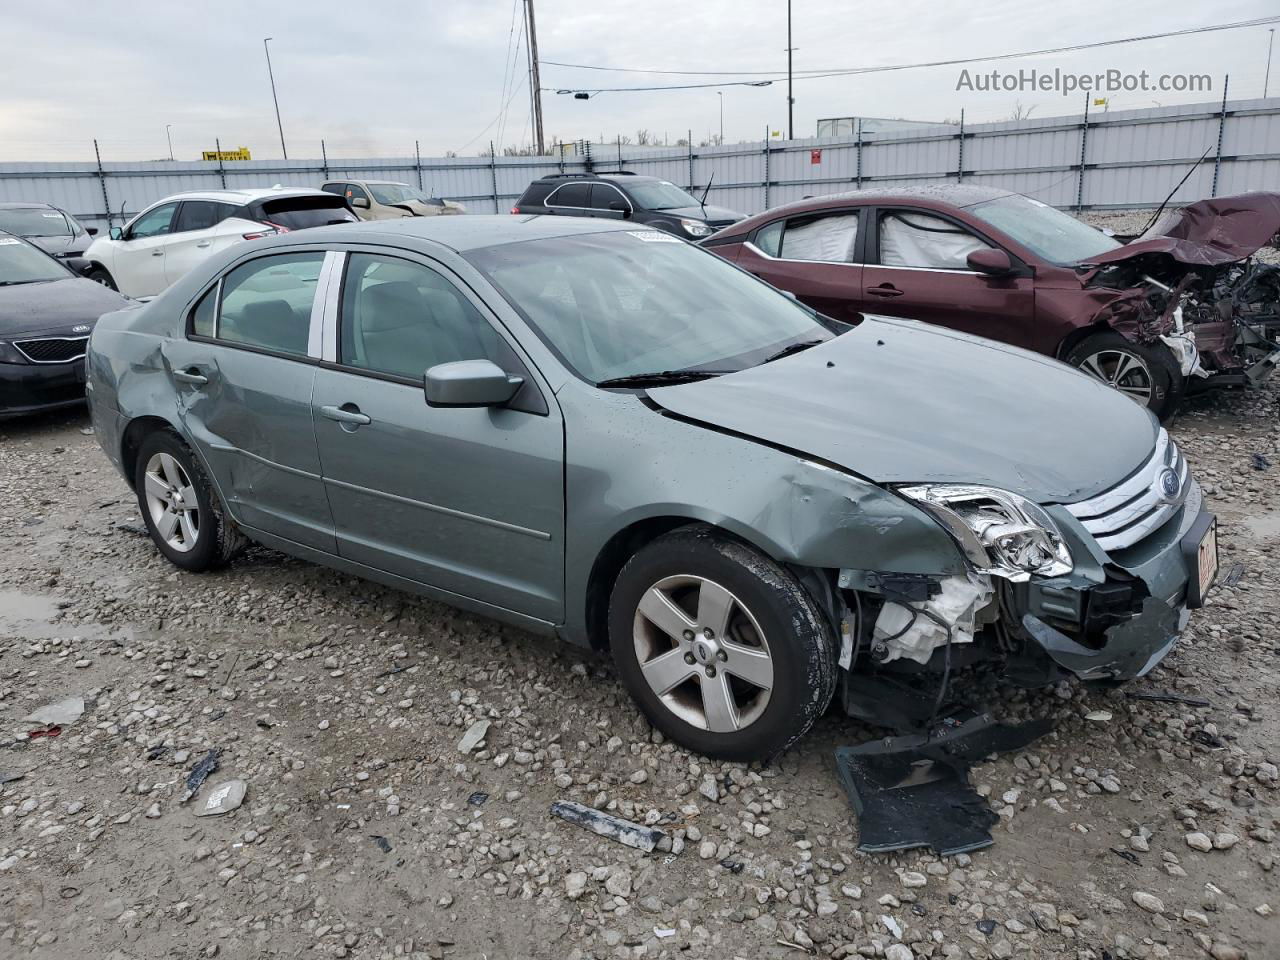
{"x":569,"y":195}
{"x":909,"y":239}
{"x":267,"y":302}
{"x":401,"y":318}
{"x":769,"y":239}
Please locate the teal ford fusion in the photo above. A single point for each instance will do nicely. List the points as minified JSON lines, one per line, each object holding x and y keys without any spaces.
{"x":598,"y":431}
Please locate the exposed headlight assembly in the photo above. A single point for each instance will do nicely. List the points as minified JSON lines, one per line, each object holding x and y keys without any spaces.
{"x":1001,"y":533}
{"x":696,"y":228}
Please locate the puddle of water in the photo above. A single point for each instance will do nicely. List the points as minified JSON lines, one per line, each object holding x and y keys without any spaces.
{"x":17,"y":608}
{"x":1262,"y":527}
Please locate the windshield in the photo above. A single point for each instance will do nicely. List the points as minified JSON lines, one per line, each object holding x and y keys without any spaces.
{"x":641,"y":301}
{"x":660,"y":195}
{"x":1044,"y":230}
{"x":395,"y":192}
{"x":22,"y":263}
{"x":35,"y":222}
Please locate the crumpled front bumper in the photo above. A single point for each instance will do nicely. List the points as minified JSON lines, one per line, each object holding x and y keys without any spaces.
{"x":1134,"y":646}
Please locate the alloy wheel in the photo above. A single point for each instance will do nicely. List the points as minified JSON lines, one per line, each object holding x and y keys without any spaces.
{"x":1125,"y":371}
{"x":171,"y":501}
{"x":703,"y":654}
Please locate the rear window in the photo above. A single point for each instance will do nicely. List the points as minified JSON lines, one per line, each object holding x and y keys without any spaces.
{"x":534,"y":194}
{"x":298,"y":213}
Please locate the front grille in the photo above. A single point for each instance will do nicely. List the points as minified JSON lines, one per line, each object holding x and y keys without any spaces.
{"x":52,"y":349}
{"x":1123,"y":515}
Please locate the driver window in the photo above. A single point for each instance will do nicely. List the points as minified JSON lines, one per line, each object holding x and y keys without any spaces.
{"x":402,"y":318}
{"x":909,"y":239}
{"x":154,"y":223}
{"x":603,"y":195}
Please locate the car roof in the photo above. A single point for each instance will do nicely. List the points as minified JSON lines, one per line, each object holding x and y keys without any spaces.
{"x":398,"y":183}
{"x":954,"y":194}
{"x":615,"y":177}
{"x":460,"y":234}
{"x":25,"y":205}
{"x":247,"y":195}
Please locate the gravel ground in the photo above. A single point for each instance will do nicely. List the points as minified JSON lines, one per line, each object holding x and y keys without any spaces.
{"x":1135,"y":829}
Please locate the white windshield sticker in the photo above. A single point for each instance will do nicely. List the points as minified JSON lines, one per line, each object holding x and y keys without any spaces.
{"x":654,"y":236}
{"x":52,"y":216}
{"x":8,"y":241}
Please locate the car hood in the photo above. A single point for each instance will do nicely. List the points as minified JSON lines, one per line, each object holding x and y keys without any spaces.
{"x":718,"y":215}
{"x":896,"y":401}
{"x":61,"y":246}
{"x":47,"y":307}
{"x":1207,"y":233}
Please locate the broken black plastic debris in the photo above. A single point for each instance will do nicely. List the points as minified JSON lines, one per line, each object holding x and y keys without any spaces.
{"x":1208,"y":739}
{"x":914,"y":790}
{"x":986,"y":927}
{"x":382,"y":843}
{"x":1259,"y":461}
{"x":200,"y":773}
{"x":155,"y":753}
{"x":477,"y":799}
{"x":1126,"y":855}
{"x":1233,"y":575}
{"x":607,"y":825}
{"x":733,"y":866}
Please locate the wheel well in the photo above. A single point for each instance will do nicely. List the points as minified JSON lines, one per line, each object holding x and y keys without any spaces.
{"x":1078,"y":336}
{"x":134,"y":435}
{"x":622,"y":546}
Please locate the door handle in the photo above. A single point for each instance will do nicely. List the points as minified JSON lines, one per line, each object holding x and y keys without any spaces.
{"x":347,"y":413}
{"x":884,"y":290}
{"x":157,"y":253}
{"x":204,"y":243}
{"x":191,"y":376}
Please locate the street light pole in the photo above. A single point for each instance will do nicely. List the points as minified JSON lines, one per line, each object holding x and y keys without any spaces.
{"x":791,"y":125}
{"x":1266,"y":82}
{"x":169,"y":137}
{"x":271,"y":74}
{"x":535,"y":77}
{"x":720,"y":94}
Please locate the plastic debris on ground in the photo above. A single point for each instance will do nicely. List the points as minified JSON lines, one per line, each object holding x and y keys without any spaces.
{"x":914,"y":791}
{"x":63,"y":713}
{"x":474,"y":735}
{"x":1259,"y":461}
{"x":606,"y":825}
{"x":382,"y":843}
{"x":224,"y":798}
{"x":199,"y":774}
{"x":478,"y":799}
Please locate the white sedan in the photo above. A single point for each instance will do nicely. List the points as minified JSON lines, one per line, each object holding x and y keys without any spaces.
{"x":168,"y":238}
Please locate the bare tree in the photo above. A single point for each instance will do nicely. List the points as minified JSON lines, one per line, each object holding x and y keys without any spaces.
{"x":1021,"y":112}
{"x":682,"y":142}
{"x":451,"y":153}
{"x":643,"y":137}
{"x":622,"y":138}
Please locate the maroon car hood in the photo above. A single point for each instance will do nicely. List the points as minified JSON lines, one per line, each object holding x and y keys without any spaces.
{"x":1210,"y":233}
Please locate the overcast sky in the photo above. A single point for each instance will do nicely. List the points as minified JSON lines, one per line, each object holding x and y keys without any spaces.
{"x":371,"y":78}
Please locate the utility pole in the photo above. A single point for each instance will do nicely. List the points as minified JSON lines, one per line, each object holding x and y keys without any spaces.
{"x":791,"y":101}
{"x":168,"y":136}
{"x":1266,"y":82}
{"x":535,"y":83}
{"x":271,"y":74}
{"x":720,"y":94}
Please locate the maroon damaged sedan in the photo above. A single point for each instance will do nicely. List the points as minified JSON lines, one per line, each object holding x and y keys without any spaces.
{"x":1182,"y":306}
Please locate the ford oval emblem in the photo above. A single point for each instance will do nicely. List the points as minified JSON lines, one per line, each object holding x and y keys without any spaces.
{"x":1169,"y":483}
{"x":80,"y":328}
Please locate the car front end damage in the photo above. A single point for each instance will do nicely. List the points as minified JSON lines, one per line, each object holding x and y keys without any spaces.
{"x":1196,"y":286}
{"x":1098,"y":589}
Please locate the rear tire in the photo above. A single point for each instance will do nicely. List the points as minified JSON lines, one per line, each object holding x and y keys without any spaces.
{"x":180,"y":507}
{"x":722,"y":648}
{"x":1147,"y":373}
{"x":100,"y":275}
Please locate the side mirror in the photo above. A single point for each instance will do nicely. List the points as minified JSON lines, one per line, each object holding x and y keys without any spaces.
{"x":469,"y":383}
{"x":619,"y":207}
{"x":990,"y":261}
{"x":361,"y":202}
{"x":91,"y":231}
{"x":117,"y":233}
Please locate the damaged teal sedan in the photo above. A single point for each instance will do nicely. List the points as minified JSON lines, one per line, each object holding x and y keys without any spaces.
{"x":597,"y":431}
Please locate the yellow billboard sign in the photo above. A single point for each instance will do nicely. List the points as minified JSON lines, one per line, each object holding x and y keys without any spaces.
{"x":241,"y":153}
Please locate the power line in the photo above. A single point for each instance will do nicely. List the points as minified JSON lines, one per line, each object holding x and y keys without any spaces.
{"x":817,"y":74}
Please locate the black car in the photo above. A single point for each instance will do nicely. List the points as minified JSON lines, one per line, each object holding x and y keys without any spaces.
{"x":46,"y":315}
{"x":51,"y":229}
{"x":625,"y":196}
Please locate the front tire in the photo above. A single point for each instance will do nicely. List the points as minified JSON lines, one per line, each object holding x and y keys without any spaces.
{"x":722,"y":648}
{"x":1147,"y":373}
{"x":180,"y":508}
{"x":100,"y":275}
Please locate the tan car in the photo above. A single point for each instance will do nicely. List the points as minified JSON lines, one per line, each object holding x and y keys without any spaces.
{"x":389,"y":200}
